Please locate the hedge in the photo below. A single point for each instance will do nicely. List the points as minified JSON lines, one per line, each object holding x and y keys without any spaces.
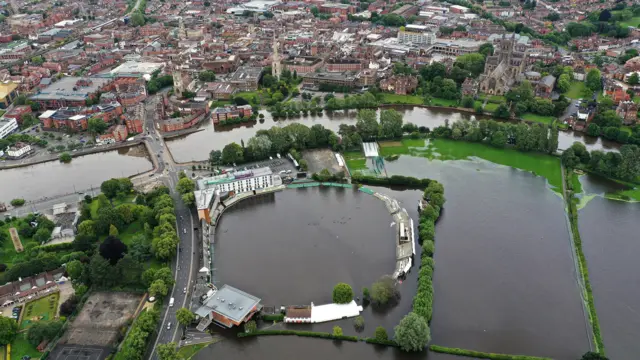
{"x":584,"y":271}
{"x":423,"y":299}
{"x":322,"y":335}
{"x":397,"y":180}
{"x":272,"y":317}
{"x":482,"y":355}
{"x":381,"y":342}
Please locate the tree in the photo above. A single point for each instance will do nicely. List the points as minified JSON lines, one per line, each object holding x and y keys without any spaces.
{"x":65,"y":158}
{"x":158,"y":288}
{"x":8,"y":330}
{"x":367,"y":125}
{"x":110,"y":188}
{"x":250,"y":326}
{"x":633,"y":79}
{"x":164,"y":247}
{"x":113,"y":231}
{"x":502,"y":112}
{"x":594,"y":82}
{"x":74,"y":269}
{"x":185,"y":316}
{"x":96,"y":126}
{"x":87,"y":227}
{"x":358,"y":323}
{"x":468,"y":102}
{"x":232,"y":153}
{"x":337,"y":331}
{"x":390,"y":124}
{"x":185,"y":185}
{"x":43,"y":330}
{"x":207,"y":76}
{"x":412,"y":334}
{"x":499,"y":139}
{"x":167,"y":351}
{"x":342,"y":293}
{"x":189,"y":199}
{"x":137,"y":19}
{"x":486,"y":49}
{"x":69,"y":306}
{"x":381,"y":334}
{"x":259,"y":147}
{"x":42,"y":235}
{"x":564,"y":83}
{"x":384,"y":291}
{"x":215,"y":157}
{"x":112,"y":249}
{"x":473,"y":62}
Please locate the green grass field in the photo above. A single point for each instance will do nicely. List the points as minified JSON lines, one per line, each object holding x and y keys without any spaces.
{"x":8,"y":254}
{"x":443,"y":102}
{"x":626,"y":195}
{"x":21,"y":347}
{"x":538,"y":118}
{"x":187,"y":352}
{"x":634,"y":21}
{"x":491,"y":107}
{"x":42,"y":309}
{"x":576,"y":91}
{"x":401,"y":99}
{"x":130,"y":199}
{"x":497,"y":99}
{"x":575,"y":183}
{"x":355,"y":160}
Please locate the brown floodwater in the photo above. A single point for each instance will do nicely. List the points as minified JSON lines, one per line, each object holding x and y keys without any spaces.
{"x":505,"y":280}
{"x":197,"y":146}
{"x":55,"y":178}
{"x":611,"y":242}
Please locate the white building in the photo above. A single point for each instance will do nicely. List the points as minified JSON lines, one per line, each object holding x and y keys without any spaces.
{"x":416,"y":34}
{"x":20,"y":149}
{"x":241,"y":181}
{"x":7,"y":126}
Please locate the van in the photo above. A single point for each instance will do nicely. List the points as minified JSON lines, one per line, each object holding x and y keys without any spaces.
{"x":169,"y":326}
{"x":171,"y":301}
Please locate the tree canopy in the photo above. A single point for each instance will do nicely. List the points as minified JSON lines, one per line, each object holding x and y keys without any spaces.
{"x":342,"y":293}
{"x":412,"y":333}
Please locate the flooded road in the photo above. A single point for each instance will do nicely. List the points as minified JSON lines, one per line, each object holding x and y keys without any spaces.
{"x":197,"y":146}
{"x":55,"y":178}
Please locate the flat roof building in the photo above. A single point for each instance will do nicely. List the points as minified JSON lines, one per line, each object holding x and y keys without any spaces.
{"x":70,"y":91}
{"x":246,"y":78}
{"x":228,"y":307}
{"x":137,"y":69}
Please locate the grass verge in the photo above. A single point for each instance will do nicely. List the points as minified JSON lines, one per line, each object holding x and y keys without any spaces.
{"x":482,"y":355}
{"x":582,"y":267}
{"x":187,"y":352}
{"x":538,"y":118}
{"x":401,"y":99}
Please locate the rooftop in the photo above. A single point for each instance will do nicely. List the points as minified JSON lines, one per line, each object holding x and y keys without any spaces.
{"x":140,"y":68}
{"x":6,"y":89}
{"x":246,"y":73}
{"x":206,"y":183}
{"x":229,"y":302}
{"x":66,"y":88}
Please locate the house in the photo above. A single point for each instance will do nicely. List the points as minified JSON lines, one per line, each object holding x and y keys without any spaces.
{"x":400,"y":84}
{"x":628,"y":111}
{"x":19,"y":150}
{"x":544,"y":88}
{"x":230,"y":112}
{"x":33,"y":286}
{"x":469,"y":87}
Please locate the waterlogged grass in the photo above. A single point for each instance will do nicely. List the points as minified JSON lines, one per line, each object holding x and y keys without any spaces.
{"x":631,"y":195}
{"x":539,"y":164}
{"x":401,"y":99}
{"x":576,"y":185}
{"x":355,"y":160}
{"x":482,"y":355}
{"x":443,"y":149}
{"x":538,"y":118}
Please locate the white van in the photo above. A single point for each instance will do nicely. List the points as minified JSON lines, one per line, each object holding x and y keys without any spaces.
{"x":171,"y":302}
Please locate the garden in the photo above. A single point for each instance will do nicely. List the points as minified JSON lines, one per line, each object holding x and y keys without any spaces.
{"x":43,"y":309}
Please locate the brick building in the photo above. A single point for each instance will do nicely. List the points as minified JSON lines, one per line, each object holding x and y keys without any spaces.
{"x":340,"y":65}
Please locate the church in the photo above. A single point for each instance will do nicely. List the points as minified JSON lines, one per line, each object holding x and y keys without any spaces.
{"x":503,"y":67}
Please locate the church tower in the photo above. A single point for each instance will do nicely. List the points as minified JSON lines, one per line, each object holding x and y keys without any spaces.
{"x":276,"y":66}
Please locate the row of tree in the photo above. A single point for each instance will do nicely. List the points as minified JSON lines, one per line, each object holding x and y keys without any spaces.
{"x":521,"y":136}
{"x":624,"y":165}
{"x":279,"y":140}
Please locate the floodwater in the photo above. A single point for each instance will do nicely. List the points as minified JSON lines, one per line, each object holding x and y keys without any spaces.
{"x":609,"y":230}
{"x":293,"y":247}
{"x":55,"y":178}
{"x":197,"y":146}
{"x":505,"y":280}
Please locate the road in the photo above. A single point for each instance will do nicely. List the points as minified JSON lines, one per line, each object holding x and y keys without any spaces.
{"x":184,"y":267}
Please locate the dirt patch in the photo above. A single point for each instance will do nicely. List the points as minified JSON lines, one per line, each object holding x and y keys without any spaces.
{"x":319,"y":159}
{"x":390,"y":144}
{"x":17,"y":244}
{"x":101,"y":318}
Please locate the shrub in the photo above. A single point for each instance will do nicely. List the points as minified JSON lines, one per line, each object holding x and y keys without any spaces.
{"x":250,"y":326}
{"x":17,"y":202}
{"x":384,"y":291}
{"x":322,"y":335}
{"x":366,"y":295}
{"x":342,"y":294}
{"x":358,"y":323}
{"x":272,"y":317}
{"x":3,"y":267}
{"x":428,"y":248}
{"x":381,"y":334}
{"x":412,"y":333}
{"x":65,"y":158}
{"x":337,"y":331}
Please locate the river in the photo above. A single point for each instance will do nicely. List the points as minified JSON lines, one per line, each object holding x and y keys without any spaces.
{"x":55,"y":178}
{"x":504,"y":281}
{"x":609,"y":231}
{"x":197,"y":146}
